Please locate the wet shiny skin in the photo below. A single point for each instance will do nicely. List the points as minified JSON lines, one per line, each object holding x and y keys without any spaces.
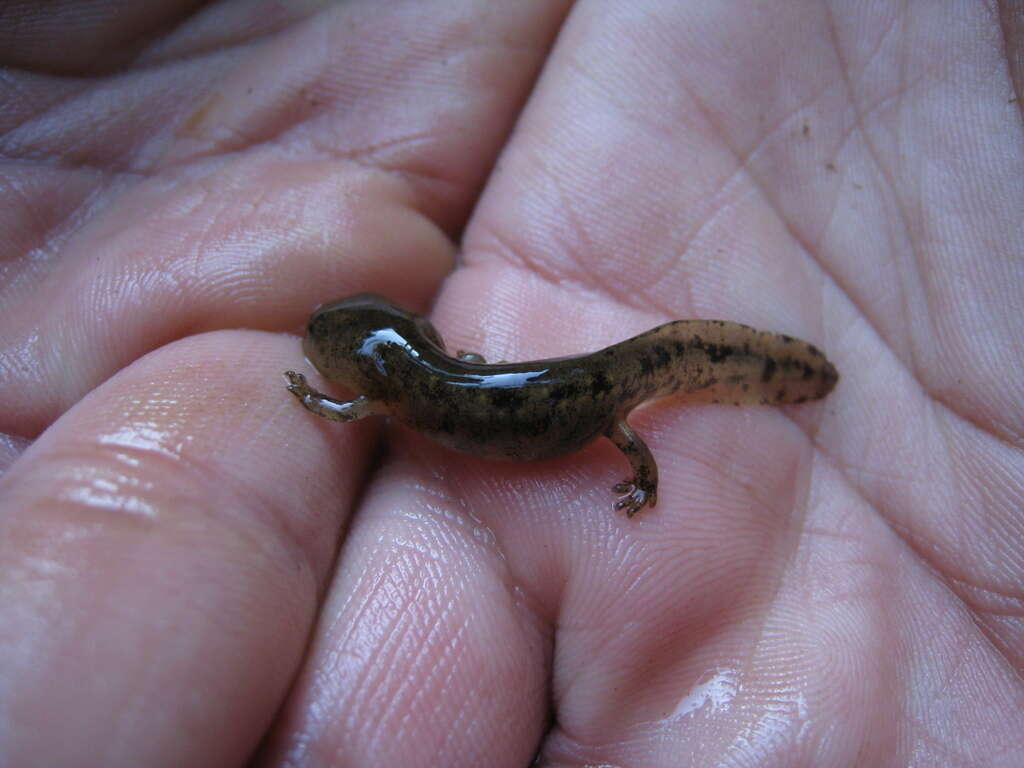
{"x":397,"y":363}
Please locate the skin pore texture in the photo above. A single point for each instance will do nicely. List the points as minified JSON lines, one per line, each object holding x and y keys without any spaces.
{"x":539,"y":409}
{"x":195,"y":571}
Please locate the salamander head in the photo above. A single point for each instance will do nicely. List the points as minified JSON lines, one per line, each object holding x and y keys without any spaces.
{"x":361,"y":341}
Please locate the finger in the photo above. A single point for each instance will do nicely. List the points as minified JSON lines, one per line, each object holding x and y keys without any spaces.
{"x":162,"y":551}
{"x":331,"y":155}
{"x":429,"y":651}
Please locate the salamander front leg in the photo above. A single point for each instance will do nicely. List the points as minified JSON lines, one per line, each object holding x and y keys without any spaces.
{"x":328,"y":407}
{"x":641,"y":489}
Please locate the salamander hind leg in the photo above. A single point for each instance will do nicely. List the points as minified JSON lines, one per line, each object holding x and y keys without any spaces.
{"x":642,"y":488}
{"x":328,"y":407}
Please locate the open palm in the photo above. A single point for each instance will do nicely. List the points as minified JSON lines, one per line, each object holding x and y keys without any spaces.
{"x":196,"y":571}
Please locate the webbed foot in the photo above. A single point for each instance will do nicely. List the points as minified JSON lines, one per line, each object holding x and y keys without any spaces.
{"x":328,"y":407}
{"x":641,"y":490}
{"x":635,"y":496}
{"x":298,"y":386}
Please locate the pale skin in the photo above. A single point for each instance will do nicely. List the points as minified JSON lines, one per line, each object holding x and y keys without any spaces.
{"x":194,"y":571}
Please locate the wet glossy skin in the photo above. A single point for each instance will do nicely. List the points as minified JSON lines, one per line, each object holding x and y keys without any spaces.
{"x":397,"y":363}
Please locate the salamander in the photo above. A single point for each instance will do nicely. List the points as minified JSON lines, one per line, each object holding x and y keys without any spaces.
{"x":397,"y":363}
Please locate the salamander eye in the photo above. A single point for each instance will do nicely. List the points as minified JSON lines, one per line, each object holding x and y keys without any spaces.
{"x":318,"y":326}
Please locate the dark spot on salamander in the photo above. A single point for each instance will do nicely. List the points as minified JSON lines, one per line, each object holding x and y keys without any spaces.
{"x":662,"y":355}
{"x":814,"y":351}
{"x":507,"y":398}
{"x":801,"y":399}
{"x":808,"y":372}
{"x":561,"y":392}
{"x":599,"y":384}
{"x":716,"y":352}
{"x":646,"y":367}
{"x":769,"y":369}
{"x":786,"y":339}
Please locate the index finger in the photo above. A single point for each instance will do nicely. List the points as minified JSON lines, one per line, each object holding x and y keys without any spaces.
{"x":163,"y":548}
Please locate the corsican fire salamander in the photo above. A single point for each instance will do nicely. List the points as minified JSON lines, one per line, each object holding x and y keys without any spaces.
{"x":397,"y":363}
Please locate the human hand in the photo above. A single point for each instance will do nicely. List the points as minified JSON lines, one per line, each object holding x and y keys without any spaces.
{"x":183,"y":577}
